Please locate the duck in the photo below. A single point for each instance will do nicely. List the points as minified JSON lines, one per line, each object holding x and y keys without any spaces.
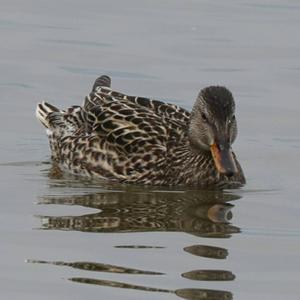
{"x":138,"y":140}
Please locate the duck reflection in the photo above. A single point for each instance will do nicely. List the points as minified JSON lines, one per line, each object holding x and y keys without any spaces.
{"x":209,"y":275}
{"x":206,"y":214}
{"x":96,"y":267}
{"x":191,"y":294}
{"x":207,"y":251}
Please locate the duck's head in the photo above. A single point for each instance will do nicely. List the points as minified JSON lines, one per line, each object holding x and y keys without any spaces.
{"x":213,"y":127}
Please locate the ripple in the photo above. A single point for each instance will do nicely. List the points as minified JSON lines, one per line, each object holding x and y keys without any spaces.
{"x":272,"y":232}
{"x":77,"y":42}
{"x":112,"y":73}
{"x":222,"y":70}
{"x":17,"y":84}
{"x":11,"y":24}
{"x":23,"y":163}
{"x":138,"y":247}
{"x":273,"y":6}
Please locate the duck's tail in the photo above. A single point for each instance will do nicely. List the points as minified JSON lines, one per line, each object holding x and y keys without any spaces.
{"x":48,"y":115}
{"x":55,"y":119}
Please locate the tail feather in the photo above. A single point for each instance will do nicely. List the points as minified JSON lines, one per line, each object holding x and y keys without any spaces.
{"x":55,"y":119}
{"x":45,"y":111}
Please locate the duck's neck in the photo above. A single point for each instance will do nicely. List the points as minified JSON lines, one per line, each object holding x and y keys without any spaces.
{"x":187,"y":165}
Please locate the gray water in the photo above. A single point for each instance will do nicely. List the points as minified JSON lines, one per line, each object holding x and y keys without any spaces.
{"x":65,"y":238}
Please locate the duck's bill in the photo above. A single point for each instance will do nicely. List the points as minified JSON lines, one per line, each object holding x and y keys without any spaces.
{"x":223,"y":159}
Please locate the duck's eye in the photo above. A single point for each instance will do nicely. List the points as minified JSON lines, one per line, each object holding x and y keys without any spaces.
{"x":204,"y":117}
{"x":231,"y":120}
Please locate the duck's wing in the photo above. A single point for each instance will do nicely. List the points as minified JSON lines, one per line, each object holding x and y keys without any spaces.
{"x":129,"y":129}
{"x":106,"y":112}
{"x":133,"y":124}
{"x":102,"y":93}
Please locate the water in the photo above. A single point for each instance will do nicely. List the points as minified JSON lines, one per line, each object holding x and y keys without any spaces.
{"x":72,"y":239}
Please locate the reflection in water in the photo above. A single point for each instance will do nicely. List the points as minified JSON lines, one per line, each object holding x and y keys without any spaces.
{"x":138,"y":247}
{"x":118,"y":284}
{"x":209,"y":275}
{"x":205,"y":214}
{"x":193,"y":294}
{"x":207,"y":251}
{"x":96,"y":267}
{"x":190,"y":294}
{"x":203,"y":294}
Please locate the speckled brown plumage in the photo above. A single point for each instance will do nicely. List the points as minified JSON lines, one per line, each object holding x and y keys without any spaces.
{"x":129,"y":139}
